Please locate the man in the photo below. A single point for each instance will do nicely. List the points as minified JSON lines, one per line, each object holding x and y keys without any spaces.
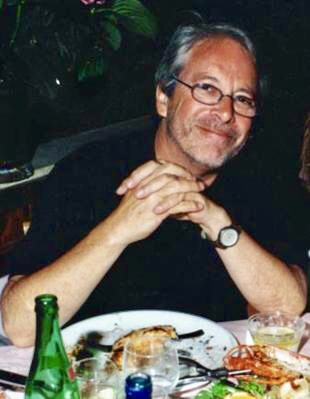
{"x":98,"y":253}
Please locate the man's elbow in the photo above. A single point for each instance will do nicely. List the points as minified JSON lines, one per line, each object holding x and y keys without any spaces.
{"x":294,"y":304}
{"x":300,"y":304}
{"x":17,"y":335}
{"x":21,"y":334}
{"x":298,"y":307}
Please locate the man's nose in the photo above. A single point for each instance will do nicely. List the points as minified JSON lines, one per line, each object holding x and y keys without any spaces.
{"x":225,"y":108}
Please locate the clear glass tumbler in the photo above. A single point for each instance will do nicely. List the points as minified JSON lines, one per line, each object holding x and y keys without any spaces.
{"x":98,"y":378}
{"x":155,"y":356}
{"x":277,"y":328}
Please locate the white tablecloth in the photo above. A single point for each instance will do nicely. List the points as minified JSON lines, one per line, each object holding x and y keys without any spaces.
{"x":18,"y":359}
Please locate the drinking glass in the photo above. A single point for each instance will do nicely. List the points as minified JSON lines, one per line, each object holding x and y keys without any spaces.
{"x":97,"y":378}
{"x":278,"y":328}
{"x":155,"y":356}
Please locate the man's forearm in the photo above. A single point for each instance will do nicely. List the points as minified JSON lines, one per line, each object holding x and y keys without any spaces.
{"x":265,"y":281}
{"x":71,"y":278}
{"x":75,"y":275}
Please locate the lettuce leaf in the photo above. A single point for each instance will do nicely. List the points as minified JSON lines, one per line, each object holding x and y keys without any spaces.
{"x":221,"y":388}
{"x":218,"y":391}
{"x":253,"y":388}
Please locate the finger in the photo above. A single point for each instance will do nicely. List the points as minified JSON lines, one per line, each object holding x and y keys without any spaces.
{"x":145,"y":171}
{"x":167,"y":168}
{"x":194,"y":196}
{"x":177,"y":188}
{"x":137,"y":176}
{"x":173,"y":184}
{"x":172,"y":201}
{"x":186,"y":207}
{"x":174,"y":169}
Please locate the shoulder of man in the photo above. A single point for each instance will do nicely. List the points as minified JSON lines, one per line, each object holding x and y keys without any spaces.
{"x":112,"y":146}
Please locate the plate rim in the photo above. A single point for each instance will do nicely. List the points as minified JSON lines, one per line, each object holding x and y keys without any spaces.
{"x":176,"y":312}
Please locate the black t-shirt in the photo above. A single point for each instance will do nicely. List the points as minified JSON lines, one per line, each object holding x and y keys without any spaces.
{"x":174,"y":268}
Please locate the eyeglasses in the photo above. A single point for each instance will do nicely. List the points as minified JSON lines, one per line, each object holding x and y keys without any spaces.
{"x":208,"y":94}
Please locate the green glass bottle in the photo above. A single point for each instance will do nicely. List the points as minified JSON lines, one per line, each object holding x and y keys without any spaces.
{"x":51,"y":375}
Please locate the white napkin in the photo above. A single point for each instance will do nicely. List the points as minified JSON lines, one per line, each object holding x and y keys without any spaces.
{"x":14,"y":395}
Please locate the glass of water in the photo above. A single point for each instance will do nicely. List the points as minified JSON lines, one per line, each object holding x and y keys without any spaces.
{"x":155,"y":356}
{"x":97,"y":378}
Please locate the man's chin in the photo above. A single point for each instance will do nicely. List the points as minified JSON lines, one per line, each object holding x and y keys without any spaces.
{"x":207,"y":164}
{"x":201,"y":156}
{"x":212,"y":164}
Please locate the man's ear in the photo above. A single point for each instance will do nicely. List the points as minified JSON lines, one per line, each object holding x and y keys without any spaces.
{"x":161,"y":102}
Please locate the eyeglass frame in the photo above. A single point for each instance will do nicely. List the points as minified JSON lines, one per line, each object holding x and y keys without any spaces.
{"x":222,"y":95}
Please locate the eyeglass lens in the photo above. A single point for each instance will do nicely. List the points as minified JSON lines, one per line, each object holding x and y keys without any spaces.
{"x":211,"y":95}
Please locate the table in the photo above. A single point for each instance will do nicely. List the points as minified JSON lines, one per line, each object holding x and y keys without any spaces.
{"x":18,"y":359}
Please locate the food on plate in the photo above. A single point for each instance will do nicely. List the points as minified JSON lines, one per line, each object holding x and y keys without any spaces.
{"x":275,"y":374}
{"x":297,"y":389}
{"x":155,"y":331}
{"x":224,"y":389}
{"x":269,"y":365}
{"x":138,"y":337}
{"x":88,"y":345}
{"x":91,"y":343}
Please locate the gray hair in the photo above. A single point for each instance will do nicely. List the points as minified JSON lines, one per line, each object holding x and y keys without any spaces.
{"x":182,"y":41}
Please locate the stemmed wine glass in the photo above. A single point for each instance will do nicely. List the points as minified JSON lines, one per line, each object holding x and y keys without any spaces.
{"x":155,"y":356}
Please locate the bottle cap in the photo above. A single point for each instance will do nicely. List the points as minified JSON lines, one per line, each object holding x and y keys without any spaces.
{"x":138,"y":385}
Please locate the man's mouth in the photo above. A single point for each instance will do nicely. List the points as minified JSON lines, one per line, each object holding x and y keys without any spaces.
{"x":219,"y":133}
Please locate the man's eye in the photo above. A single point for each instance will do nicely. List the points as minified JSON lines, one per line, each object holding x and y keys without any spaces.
{"x":249,"y":102}
{"x":208,"y":88}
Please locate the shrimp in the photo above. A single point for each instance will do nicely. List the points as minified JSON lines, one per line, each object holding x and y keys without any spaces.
{"x":269,"y":365}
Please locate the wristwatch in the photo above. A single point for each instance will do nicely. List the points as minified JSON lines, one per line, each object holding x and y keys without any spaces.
{"x":228,"y":236}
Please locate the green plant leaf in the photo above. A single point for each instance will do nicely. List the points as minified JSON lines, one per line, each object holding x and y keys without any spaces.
{"x":135,"y":17}
{"x":92,"y":69}
{"x":113,"y":36}
{"x":1,"y":4}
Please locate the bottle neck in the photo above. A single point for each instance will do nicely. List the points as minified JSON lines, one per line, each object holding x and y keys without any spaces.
{"x":48,"y":337}
{"x":47,"y":327}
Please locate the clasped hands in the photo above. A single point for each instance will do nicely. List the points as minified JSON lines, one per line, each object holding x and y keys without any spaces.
{"x":157,"y":190}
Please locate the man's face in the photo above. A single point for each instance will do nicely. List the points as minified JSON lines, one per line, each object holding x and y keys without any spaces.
{"x":210,"y":135}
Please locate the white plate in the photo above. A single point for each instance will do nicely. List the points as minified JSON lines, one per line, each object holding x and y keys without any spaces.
{"x":208,"y":349}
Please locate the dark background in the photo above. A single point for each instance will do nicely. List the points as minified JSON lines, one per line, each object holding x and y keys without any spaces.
{"x":281,"y":32}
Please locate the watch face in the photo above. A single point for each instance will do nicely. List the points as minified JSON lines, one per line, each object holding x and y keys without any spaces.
{"x":229,"y":237}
